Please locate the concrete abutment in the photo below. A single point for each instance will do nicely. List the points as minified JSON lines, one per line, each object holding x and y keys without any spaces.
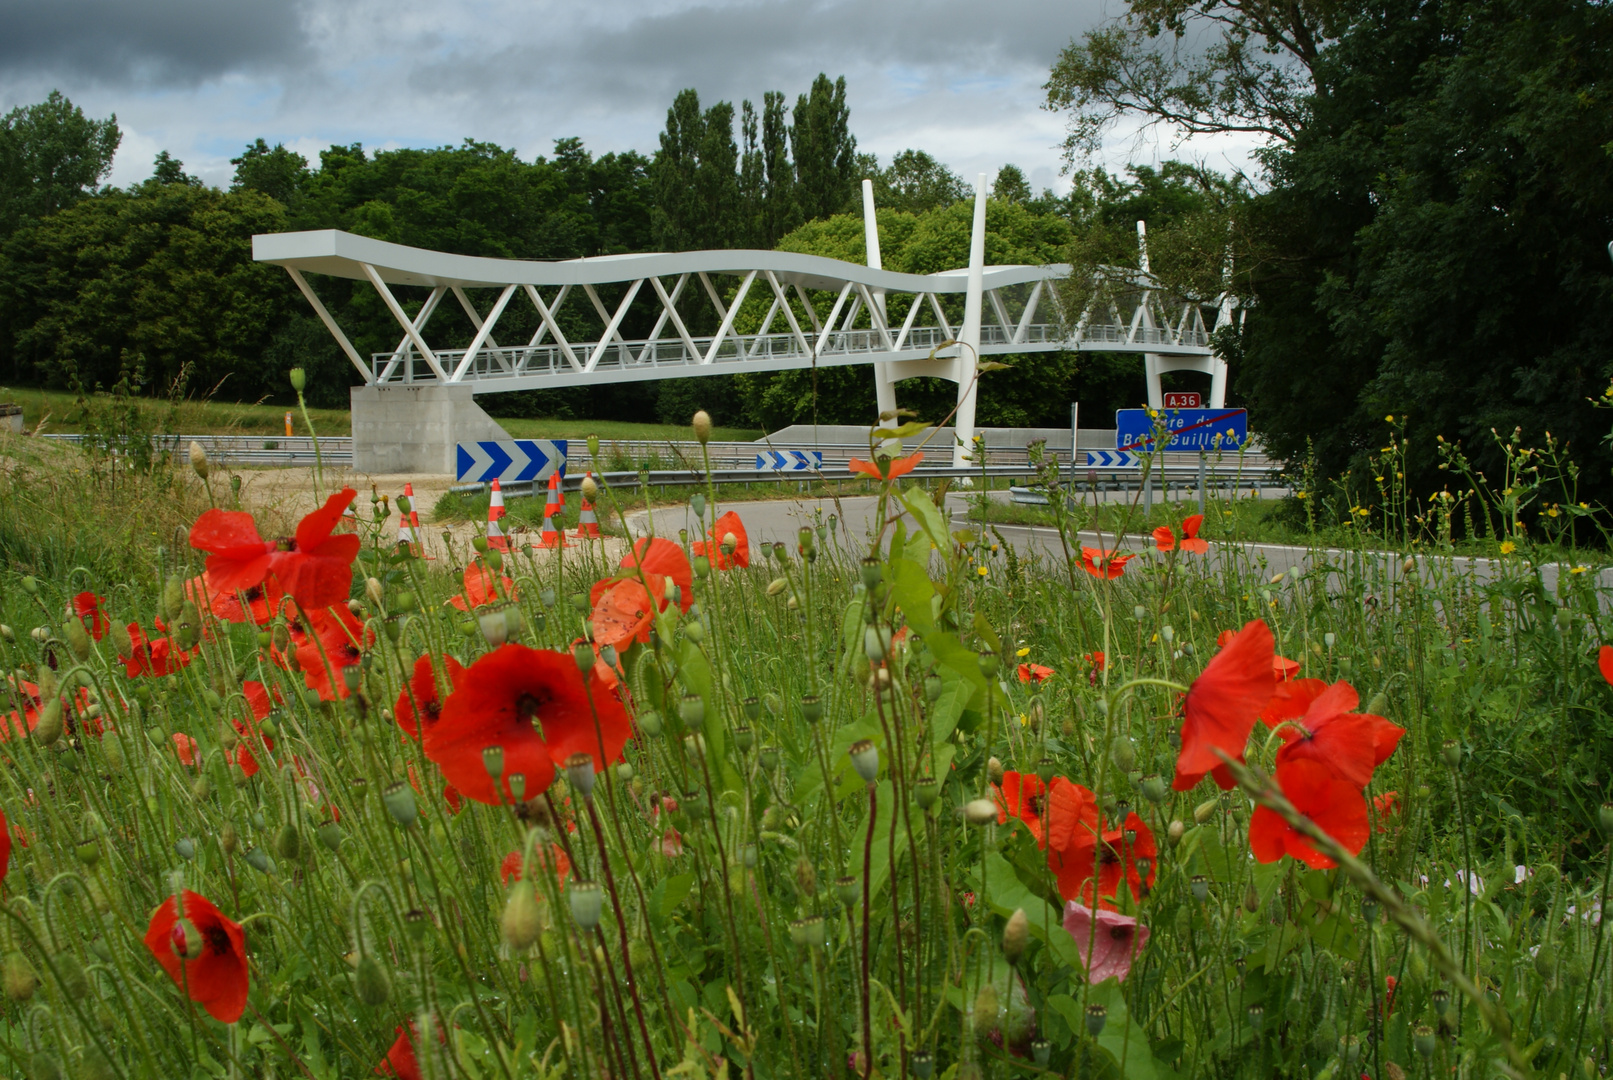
{"x":413,"y":429}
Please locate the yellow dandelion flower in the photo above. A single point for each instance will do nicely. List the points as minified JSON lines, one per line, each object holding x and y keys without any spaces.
{"x":1579,"y":570}
{"x":982,"y":571}
{"x":1552,"y":512}
{"x":1389,"y":419}
{"x":1026,"y":651}
{"x":1508,"y":547}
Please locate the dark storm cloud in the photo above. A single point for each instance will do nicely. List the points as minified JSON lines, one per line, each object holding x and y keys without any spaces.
{"x":150,"y":43}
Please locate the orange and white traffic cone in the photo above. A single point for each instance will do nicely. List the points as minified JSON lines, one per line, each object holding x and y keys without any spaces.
{"x":587,"y":523}
{"x":495,"y":511}
{"x":556,"y":502}
{"x":406,"y":527}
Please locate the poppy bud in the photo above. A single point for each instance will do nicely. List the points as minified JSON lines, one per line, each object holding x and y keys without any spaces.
{"x":580,"y":773}
{"x":173,"y":597}
{"x":777,"y":585}
{"x":1251,"y":898}
{"x":288,"y":842}
{"x":1205,"y":810}
{"x":986,"y":1007}
{"x":1016,"y":935}
{"x":120,"y":639}
{"x":865,"y":759}
{"x":702,"y":426}
{"x":198,"y":459}
{"x":980,"y":811}
{"x":371,"y":982}
{"x":30,"y":585}
{"x":692,"y":710}
{"x":44,"y":1066}
{"x":585,"y":898}
{"x":1097,"y":1016}
{"x":876,"y":643}
{"x":49,"y":728}
{"x":299,"y":379}
{"x":522,"y":920}
{"x":697,"y":503}
{"x":9,"y":634}
{"x":185,"y":848}
{"x":1123,"y":753}
{"x":78,"y":639}
{"x":811,"y":708}
{"x":186,"y":940}
{"x":40,"y":634}
{"x":994,"y":770}
{"x":400,"y":804}
{"x":1174,"y":833}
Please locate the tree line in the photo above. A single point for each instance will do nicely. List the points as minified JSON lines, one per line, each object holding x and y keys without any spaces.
{"x":154,"y":283}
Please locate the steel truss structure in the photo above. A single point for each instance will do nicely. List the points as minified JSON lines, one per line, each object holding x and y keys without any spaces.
{"x":819,"y":311}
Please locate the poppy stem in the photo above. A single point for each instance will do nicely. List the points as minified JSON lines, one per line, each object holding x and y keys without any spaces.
{"x":1596,"y":953}
{"x":621,"y":926}
{"x":868,"y":855}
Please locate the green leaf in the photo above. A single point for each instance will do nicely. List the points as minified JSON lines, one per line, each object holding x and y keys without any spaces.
{"x":922,"y":507}
{"x":669,"y":894}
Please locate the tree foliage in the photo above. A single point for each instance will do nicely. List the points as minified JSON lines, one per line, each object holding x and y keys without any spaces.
{"x":51,"y":155}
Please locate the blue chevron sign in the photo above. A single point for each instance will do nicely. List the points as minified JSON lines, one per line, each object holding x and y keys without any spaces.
{"x":510,"y":460}
{"x":1113,"y":459}
{"x":789,"y":461}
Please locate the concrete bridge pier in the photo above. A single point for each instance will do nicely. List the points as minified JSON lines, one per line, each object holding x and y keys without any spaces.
{"x":413,"y":428}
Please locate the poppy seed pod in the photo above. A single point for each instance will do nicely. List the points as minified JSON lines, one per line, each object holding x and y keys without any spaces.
{"x":1154,"y":789}
{"x":989,"y":663}
{"x":811,"y":708}
{"x":752,"y":707}
{"x":330,"y":834}
{"x":809,"y":932}
{"x":299,"y":379}
{"x":1097,"y":1016}
{"x":744,"y":739}
{"x":980,"y":811}
{"x":865,"y":759}
{"x":580,"y":774}
{"x":649,"y":722}
{"x":586,"y":899}
{"x":522,"y":920}
{"x":198,"y":459}
{"x":702,"y":426}
{"x":1451,"y":751}
{"x":1422,"y":1037}
{"x":923,"y":1064}
{"x":1200,"y":886}
{"x":1016,"y":935}
{"x":493,"y":761}
{"x":847,"y":890}
{"x":583,"y":654}
{"x":692,"y":710}
{"x":400,"y":804}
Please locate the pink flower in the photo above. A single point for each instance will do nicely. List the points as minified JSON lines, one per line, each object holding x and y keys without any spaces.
{"x":1111,"y":949}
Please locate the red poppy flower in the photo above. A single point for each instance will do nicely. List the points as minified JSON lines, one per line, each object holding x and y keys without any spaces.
{"x":400,"y":1060}
{"x":510,"y":869}
{"x":1072,"y":810}
{"x":419,"y":704}
{"x":725,"y":526}
{"x":894,"y":467}
{"x":185,"y":749}
{"x":1105,"y":859}
{"x":623,"y":611}
{"x":1316,"y":722}
{"x":661,"y":556}
{"x":1104,"y":564}
{"x":213,"y":971}
{"x":91,"y":610}
{"x":258,"y":700}
{"x":1222,"y":705}
{"x":1335,"y":805}
{"x":1096,"y":659}
{"x":1035,"y":673}
{"x":259,"y":604}
{"x":326,"y":642}
{"x":535,"y":706}
{"x":1282,"y":667}
{"x":1386,"y":806}
{"x":1165,"y":537}
{"x":1604,"y":662}
{"x":315,"y":566}
{"x":479,"y":588}
{"x":1023,"y":796}
{"x":20,"y":723}
{"x":157,"y":658}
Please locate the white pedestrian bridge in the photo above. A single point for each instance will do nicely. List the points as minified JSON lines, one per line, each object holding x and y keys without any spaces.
{"x":773,"y":310}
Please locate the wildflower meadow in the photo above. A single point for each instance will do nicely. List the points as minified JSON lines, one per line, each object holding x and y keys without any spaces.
{"x":309,"y":802}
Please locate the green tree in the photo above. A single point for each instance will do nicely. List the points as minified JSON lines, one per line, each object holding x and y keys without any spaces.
{"x":1011,"y":184}
{"x":825,"y":150}
{"x":779,"y":211}
{"x":51,"y":155}
{"x":915,"y":182}
{"x":696,"y":177}
{"x":278,"y":173}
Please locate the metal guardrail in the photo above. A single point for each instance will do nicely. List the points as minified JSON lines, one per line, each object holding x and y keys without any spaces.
{"x":246,"y":449}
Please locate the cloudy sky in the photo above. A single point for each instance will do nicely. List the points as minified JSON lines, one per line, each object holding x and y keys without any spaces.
{"x":202,"y":78}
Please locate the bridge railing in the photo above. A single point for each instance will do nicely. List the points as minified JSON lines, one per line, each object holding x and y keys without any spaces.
{"x":550,"y":358}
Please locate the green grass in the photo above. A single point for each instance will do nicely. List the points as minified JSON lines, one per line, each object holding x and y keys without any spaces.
{"x":739,"y":840}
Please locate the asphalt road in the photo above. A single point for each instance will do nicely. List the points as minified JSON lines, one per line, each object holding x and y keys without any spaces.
{"x":780,"y":520}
